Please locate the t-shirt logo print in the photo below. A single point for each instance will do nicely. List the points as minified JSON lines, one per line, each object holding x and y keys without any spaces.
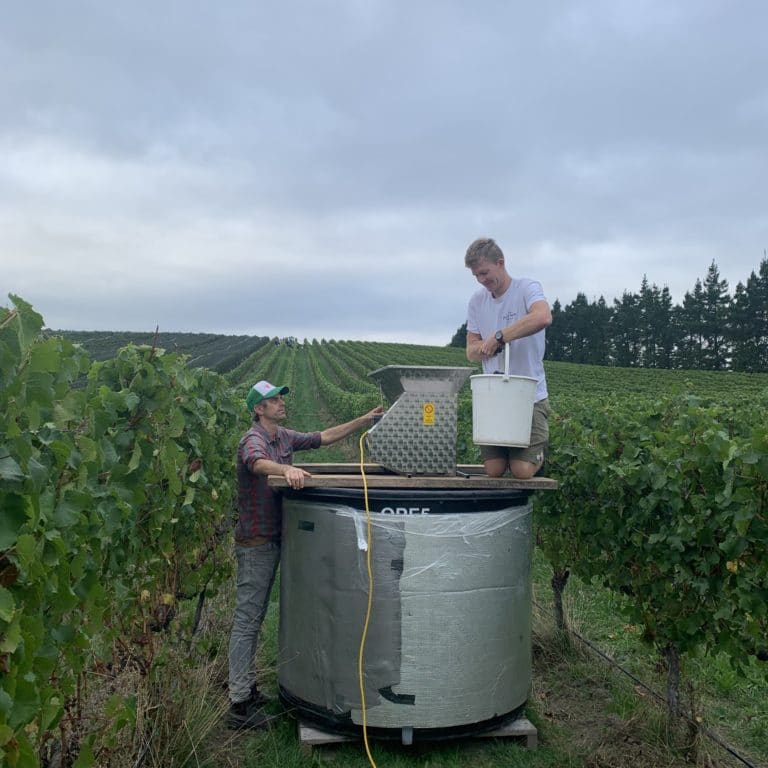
{"x":509,"y":317}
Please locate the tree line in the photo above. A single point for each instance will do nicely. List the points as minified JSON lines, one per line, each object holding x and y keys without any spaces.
{"x":710,"y":330}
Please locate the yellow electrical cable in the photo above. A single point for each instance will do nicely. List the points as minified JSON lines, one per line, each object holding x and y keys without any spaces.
{"x":370,"y":602}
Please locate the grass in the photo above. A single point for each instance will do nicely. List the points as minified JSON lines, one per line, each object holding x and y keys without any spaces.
{"x":587,"y":714}
{"x":181,"y":703}
{"x":730,"y":705}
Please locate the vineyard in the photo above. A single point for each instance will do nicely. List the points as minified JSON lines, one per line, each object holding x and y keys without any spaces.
{"x":116,"y":489}
{"x":216,"y":351}
{"x":664,"y":485}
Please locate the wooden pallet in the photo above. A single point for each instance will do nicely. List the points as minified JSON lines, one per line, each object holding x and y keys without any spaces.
{"x":521,"y":728}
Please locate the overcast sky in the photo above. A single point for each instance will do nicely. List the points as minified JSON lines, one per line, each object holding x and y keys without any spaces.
{"x":318,"y":169}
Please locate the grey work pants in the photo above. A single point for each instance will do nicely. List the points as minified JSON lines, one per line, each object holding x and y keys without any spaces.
{"x":256,"y":569}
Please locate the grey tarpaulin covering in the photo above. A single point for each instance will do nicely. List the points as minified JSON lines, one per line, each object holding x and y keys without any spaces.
{"x":449,"y":636}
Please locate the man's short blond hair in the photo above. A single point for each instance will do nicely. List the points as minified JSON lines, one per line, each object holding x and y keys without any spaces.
{"x":483,"y":249}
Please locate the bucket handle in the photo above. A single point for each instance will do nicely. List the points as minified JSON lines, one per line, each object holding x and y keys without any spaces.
{"x":506,"y":361}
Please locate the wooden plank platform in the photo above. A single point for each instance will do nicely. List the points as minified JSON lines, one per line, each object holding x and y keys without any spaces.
{"x":311,"y":736}
{"x":469,"y":477}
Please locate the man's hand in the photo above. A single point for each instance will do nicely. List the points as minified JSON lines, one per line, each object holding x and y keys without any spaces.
{"x":479,"y":349}
{"x":295,"y":476}
{"x":374,"y":414}
{"x":490,"y":348}
{"x":340,"y":431}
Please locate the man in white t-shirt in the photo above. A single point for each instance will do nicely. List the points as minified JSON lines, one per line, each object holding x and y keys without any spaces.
{"x":513,"y":311}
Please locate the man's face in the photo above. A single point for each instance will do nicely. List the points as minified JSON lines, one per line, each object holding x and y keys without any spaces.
{"x":273,"y":408}
{"x":490,"y":275}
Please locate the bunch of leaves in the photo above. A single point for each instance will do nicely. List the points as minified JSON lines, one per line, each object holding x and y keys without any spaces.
{"x":665,"y":501}
{"x":49,"y":579}
{"x":115,"y":486}
{"x":162,"y":482}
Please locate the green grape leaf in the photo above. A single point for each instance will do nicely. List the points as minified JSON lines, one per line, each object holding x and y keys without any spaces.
{"x":9,"y":642}
{"x":178,"y":424}
{"x":67,"y":512}
{"x":85,"y":758}
{"x":30,"y":322}
{"x":7,"y":605}
{"x":6,"y":734}
{"x":133,"y":464}
{"x":26,"y":548}
{"x":45,"y":357}
{"x":10,"y":471}
{"x":12,"y":519}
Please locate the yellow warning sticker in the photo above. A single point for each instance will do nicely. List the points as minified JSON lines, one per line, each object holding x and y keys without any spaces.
{"x":428,"y":414}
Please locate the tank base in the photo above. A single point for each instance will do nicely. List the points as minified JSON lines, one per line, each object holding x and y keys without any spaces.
{"x":311,"y":735}
{"x":317,"y":721}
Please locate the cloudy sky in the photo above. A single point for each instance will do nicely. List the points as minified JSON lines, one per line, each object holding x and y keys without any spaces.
{"x":318,"y":169}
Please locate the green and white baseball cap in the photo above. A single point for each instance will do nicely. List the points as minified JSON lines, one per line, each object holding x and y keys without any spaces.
{"x":263,"y":390}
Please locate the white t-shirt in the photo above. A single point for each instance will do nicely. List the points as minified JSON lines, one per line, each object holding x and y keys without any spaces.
{"x":486,"y":315}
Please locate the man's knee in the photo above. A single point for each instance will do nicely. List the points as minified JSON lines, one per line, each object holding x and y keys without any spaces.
{"x":523,"y":470}
{"x":495,"y":467}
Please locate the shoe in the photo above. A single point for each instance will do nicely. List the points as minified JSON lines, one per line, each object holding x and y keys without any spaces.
{"x":259,"y":698}
{"x":246,"y":715}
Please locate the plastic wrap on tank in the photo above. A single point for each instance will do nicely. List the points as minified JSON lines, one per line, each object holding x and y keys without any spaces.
{"x":448,"y":643}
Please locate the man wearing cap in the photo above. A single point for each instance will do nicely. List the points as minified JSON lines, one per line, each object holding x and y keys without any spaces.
{"x":266,"y":449}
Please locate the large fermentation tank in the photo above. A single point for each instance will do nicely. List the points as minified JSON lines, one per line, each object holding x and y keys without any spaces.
{"x":448,"y":648}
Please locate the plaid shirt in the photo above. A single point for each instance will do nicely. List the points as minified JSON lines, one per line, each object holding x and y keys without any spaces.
{"x":260,"y":509}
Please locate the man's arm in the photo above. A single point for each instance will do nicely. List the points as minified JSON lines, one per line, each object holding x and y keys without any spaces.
{"x":340,"y":431}
{"x":539,"y":316}
{"x":474,"y":347}
{"x":294,"y":475}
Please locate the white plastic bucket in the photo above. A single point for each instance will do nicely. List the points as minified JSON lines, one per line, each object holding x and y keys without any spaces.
{"x":502,"y":408}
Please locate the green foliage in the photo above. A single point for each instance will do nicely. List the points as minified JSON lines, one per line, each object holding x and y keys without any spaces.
{"x":114,"y":496}
{"x":710,"y":330}
{"x":344,"y":404}
{"x":459,"y":338}
{"x":116,"y":488}
{"x":665,"y":501}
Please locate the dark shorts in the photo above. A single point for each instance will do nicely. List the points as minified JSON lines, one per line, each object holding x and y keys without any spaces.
{"x":536,"y":451}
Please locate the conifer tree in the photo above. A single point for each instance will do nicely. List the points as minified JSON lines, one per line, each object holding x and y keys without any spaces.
{"x":624,"y":330}
{"x":716,"y":350}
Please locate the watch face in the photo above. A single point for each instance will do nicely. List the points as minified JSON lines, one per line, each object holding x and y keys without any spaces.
{"x":499,"y":336}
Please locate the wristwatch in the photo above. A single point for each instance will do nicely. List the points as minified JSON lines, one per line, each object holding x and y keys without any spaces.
{"x":499,"y":336}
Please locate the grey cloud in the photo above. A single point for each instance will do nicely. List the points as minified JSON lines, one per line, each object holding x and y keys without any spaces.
{"x":168,"y":150}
